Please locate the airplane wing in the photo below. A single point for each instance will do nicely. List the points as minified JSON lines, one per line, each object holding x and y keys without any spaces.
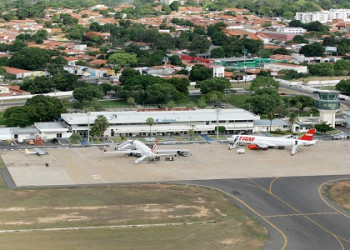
{"x":125,"y":152}
{"x":263,"y":145}
{"x":38,"y":151}
{"x":159,"y":151}
{"x":138,"y":160}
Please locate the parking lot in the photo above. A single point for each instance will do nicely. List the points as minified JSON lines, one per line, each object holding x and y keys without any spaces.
{"x":71,"y":166}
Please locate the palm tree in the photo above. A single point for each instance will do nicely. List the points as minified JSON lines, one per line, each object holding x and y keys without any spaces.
{"x":190,"y":133}
{"x":270,"y":116}
{"x":292,"y":119}
{"x":150,"y":122}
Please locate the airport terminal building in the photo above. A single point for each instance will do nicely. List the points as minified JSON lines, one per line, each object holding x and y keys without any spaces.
{"x":166,"y":122}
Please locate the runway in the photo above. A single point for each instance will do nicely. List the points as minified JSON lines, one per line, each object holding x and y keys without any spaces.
{"x":294,"y":210}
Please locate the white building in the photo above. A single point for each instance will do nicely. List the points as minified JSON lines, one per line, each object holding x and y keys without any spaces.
{"x":285,"y":66}
{"x":291,"y":30}
{"x":80,"y":47}
{"x":168,"y":122}
{"x":276,"y":124}
{"x":323,"y":16}
{"x":167,"y":2}
{"x":218,"y":71}
{"x":51,"y":130}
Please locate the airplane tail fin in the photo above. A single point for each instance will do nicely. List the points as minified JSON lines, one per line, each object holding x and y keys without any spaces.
{"x":154,"y":149}
{"x":308,"y":136}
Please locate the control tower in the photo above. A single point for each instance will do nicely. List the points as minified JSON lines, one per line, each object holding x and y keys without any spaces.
{"x":328,"y":105}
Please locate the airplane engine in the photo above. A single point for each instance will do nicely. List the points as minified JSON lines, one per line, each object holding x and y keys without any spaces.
{"x":252,"y":146}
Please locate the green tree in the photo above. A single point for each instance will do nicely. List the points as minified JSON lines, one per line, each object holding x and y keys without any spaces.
{"x":18,"y":116}
{"x":305,"y":101}
{"x":175,"y":60}
{"x":30,"y":58}
{"x":171,"y":104}
{"x":323,"y":127}
{"x":271,"y":116}
{"x":314,"y":49}
{"x":342,"y":67}
{"x":181,"y":84}
{"x":344,"y":87}
{"x":76,"y":32}
{"x":288,"y":15}
{"x":201,"y":103}
{"x":321,"y":69}
{"x":200,"y":73}
{"x":150,"y":123}
{"x":200,"y":44}
{"x":100,"y":125}
{"x":218,"y":52}
{"x":214,"y":84}
{"x":292,"y":118}
{"x":131,"y":101}
{"x":295,"y":23}
{"x":86,"y":95}
{"x":75,"y":138}
{"x":122,"y":59}
{"x":128,"y":74}
{"x":64,"y":81}
{"x":175,"y":5}
{"x":161,"y":93}
{"x":264,"y":82}
{"x":299,"y":39}
{"x":166,"y":9}
{"x":190,"y":132}
{"x":263,"y":104}
{"x":222,"y":129}
{"x":46,"y":108}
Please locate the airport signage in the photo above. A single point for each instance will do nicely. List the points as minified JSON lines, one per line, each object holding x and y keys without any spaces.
{"x":246,"y":138}
{"x":165,"y":120}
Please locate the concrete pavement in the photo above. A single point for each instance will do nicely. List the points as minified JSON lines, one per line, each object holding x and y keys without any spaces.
{"x":293,"y":209}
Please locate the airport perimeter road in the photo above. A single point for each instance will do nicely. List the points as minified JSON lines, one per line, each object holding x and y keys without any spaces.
{"x":292,"y":208}
{"x":301,"y":91}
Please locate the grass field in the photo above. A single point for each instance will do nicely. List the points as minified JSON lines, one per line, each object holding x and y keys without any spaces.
{"x":244,"y":85}
{"x":236,"y":100}
{"x":340,"y":194}
{"x":322,"y":78}
{"x":2,"y":119}
{"x":126,"y":205}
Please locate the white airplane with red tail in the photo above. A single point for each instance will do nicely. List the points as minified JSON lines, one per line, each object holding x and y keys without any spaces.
{"x":141,"y":150}
{"x":264,"y":142}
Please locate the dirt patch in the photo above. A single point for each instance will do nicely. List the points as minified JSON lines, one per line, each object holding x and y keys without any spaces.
{"x":17,"y":223}
{"x":12,"y":209}
{"x":63,"y":217}
{"x":157,"y":208}
{"x":340,"y":193}
{"x":231,"y":242}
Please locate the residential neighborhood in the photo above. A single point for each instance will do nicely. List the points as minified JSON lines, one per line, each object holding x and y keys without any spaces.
{"x":189,"y":124}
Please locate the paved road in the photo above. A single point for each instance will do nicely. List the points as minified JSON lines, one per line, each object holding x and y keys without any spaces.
{"x":302,"y":91}
{"x":292,"y":208}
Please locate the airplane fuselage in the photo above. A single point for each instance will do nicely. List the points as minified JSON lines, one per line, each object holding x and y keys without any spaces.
{"x":143,"y":148}
{"x":268,"y":141}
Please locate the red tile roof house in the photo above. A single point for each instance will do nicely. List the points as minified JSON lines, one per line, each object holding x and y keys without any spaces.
{"x":22,"y":73}
{"x":11,"y":90}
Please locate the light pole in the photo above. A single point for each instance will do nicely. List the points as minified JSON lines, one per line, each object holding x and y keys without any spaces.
{"x":88,"y":132}
{"x":217,"y":123}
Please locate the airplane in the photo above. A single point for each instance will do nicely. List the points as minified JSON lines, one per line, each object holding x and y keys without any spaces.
{"x":37,"y":151}
{"x":263,"y":142}
{"x":142,"y":151}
